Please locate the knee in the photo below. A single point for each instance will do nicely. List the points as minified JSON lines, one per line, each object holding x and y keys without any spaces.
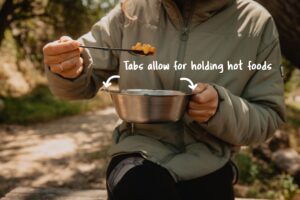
{"x":147,"y":179}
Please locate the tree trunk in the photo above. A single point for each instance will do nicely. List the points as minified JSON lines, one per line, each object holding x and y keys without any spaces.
{"x":287,"y":17}
{"x":6,"y":13}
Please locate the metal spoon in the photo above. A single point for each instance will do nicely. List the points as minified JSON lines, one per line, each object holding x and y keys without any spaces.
{"x":131,"y":51}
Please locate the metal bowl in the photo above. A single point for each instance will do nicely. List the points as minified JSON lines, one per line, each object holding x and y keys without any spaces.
{"x":150,"y":106}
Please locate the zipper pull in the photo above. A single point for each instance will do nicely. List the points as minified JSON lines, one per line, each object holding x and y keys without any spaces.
{"x":185,"y":34}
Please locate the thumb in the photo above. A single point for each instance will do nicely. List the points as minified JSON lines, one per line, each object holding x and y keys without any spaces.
{"x":65,"y":39}
{"x":200,"y":88}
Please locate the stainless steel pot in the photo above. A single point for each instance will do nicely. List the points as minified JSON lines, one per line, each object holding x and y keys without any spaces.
{"x":149,"y":106}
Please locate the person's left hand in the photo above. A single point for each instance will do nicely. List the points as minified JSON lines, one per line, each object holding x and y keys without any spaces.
{"x":204,"y":103}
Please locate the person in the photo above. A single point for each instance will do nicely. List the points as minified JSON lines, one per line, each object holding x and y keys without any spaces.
{"x":189,"y":159}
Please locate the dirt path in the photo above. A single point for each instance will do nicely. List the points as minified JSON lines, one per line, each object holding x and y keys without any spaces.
{"x":70,"y":152}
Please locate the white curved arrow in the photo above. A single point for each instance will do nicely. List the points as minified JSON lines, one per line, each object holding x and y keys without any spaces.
{"x":108,"y":83}
{"x":192,"y":85}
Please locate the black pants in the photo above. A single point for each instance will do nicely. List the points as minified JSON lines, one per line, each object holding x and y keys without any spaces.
{"x":149,"y":181}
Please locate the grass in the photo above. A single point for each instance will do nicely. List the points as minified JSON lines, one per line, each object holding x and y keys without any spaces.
{"x":41,"y":106}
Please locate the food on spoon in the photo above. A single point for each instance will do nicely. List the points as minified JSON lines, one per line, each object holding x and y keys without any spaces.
{"x":146,"y":48}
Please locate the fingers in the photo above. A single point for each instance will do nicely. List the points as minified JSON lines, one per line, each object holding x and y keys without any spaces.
{"x":208,"y":94}
{"x":203,"y":105}
{"x":201,"y":115}
{"x":65,"y":38}
{"x":74,"y":73}
{"x":195,"y":106}
{"x":200,"y":88}
{"x":63,"y":57}
{"x":64,"y":66}
{"x":51,"y":60}
{"x":72,"y":63}
{"x":71,"y":68}
{"x":56,"y":68}
{"x":57,"y":47}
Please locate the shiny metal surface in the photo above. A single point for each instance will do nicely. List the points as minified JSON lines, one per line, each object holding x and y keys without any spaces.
{"x":150,"y":106}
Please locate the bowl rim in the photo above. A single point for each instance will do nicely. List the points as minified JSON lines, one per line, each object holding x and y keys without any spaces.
{"x":123,"y":92}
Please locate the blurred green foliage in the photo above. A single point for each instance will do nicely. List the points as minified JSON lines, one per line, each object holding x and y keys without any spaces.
{"x":280,"y":187}
{"x":25,"y":27}
{"x":263,"y":179}
{"x":292,"y":76}
{"x":248,"y":169}
{"x":293,"y":114}
{"x":38,"y":106}
{"x":41,"y":106}
{"x":33,"y":23}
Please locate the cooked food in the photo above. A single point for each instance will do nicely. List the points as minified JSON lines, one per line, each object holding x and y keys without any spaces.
{"x":147,"y":49}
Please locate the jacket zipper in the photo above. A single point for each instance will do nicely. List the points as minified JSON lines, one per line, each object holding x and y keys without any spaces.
{"x":184,"y":37}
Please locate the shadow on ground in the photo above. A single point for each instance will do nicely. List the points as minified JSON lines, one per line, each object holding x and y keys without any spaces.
{"x":70,"y":152}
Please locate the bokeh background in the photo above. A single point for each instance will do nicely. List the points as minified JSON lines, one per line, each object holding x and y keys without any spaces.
{"x":48,"y":142}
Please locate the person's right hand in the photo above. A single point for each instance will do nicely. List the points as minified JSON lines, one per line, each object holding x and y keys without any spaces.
{"x":63,"y":57}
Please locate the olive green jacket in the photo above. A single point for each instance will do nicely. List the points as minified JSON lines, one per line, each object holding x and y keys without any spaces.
{"x":251,"y":104}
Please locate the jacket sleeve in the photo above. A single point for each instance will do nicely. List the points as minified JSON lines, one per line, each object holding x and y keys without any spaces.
{"x":98,"y":65}
{"x":254,"y":116}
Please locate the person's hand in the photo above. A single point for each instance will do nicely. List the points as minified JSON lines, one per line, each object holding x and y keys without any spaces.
{"x":204,"y":103}
{"x":63,"y":57}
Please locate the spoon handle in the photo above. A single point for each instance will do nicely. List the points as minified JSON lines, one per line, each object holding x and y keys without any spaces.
{"x":131,"y":51}
{"x":106,"y":48}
